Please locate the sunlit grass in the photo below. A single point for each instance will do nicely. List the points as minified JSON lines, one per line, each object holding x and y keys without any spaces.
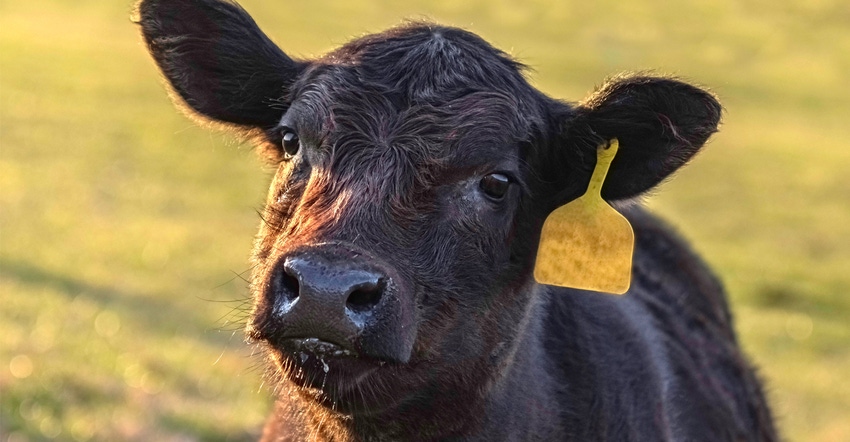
{"x":123,"y":227}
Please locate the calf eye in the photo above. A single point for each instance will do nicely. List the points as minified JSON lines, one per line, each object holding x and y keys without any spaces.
{"x":290,"y":142}
{"x":495,"y":185}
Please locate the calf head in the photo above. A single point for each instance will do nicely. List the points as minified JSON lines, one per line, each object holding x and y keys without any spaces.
{"x":415,"y":168}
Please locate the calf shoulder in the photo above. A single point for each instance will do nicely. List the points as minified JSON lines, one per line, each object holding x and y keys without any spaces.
{"x":659,"y":363}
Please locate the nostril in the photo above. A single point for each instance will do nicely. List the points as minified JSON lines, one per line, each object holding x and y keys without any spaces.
{"x":289,"y":286}
{"x":365,"y":296}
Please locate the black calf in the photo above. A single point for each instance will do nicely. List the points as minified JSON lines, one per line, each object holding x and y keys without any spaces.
{"x":393,"y":285}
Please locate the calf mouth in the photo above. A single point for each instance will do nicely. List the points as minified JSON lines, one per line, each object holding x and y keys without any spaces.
{"x":306,"y":347}
{"x":314,"y":363}
{"x":338,"y":373}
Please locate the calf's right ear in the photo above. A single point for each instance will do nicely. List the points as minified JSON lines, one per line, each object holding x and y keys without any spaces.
{"x":218,"y":61}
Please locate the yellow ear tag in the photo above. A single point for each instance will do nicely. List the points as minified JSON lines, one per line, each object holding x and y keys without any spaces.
{"x":586,"y":244}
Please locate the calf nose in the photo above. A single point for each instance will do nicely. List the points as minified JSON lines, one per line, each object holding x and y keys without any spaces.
{"x":339,"y":296}
{"x":329,"y":289}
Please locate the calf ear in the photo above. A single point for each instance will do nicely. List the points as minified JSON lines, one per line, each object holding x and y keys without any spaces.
{"x":217,"y":60}
{"x":660,"y":124}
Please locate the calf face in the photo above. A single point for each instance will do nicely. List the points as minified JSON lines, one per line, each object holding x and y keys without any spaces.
{"x":415,"y":168}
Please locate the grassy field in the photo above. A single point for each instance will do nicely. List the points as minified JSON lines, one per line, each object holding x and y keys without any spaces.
{"x":124,"y":229}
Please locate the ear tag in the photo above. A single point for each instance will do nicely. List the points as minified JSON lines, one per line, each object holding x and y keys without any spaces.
{"x":586,"y":244}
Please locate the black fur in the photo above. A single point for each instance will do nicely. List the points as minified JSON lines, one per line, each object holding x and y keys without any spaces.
{"x":396,"y":132}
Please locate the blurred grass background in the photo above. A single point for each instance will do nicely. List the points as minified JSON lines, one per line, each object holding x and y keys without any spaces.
{"x":123,"y":228}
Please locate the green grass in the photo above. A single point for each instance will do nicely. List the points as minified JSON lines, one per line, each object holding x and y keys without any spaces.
{"x":123,"y":227}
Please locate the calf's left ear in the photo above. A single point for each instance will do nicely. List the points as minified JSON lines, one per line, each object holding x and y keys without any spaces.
{"x":660,"y":124}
